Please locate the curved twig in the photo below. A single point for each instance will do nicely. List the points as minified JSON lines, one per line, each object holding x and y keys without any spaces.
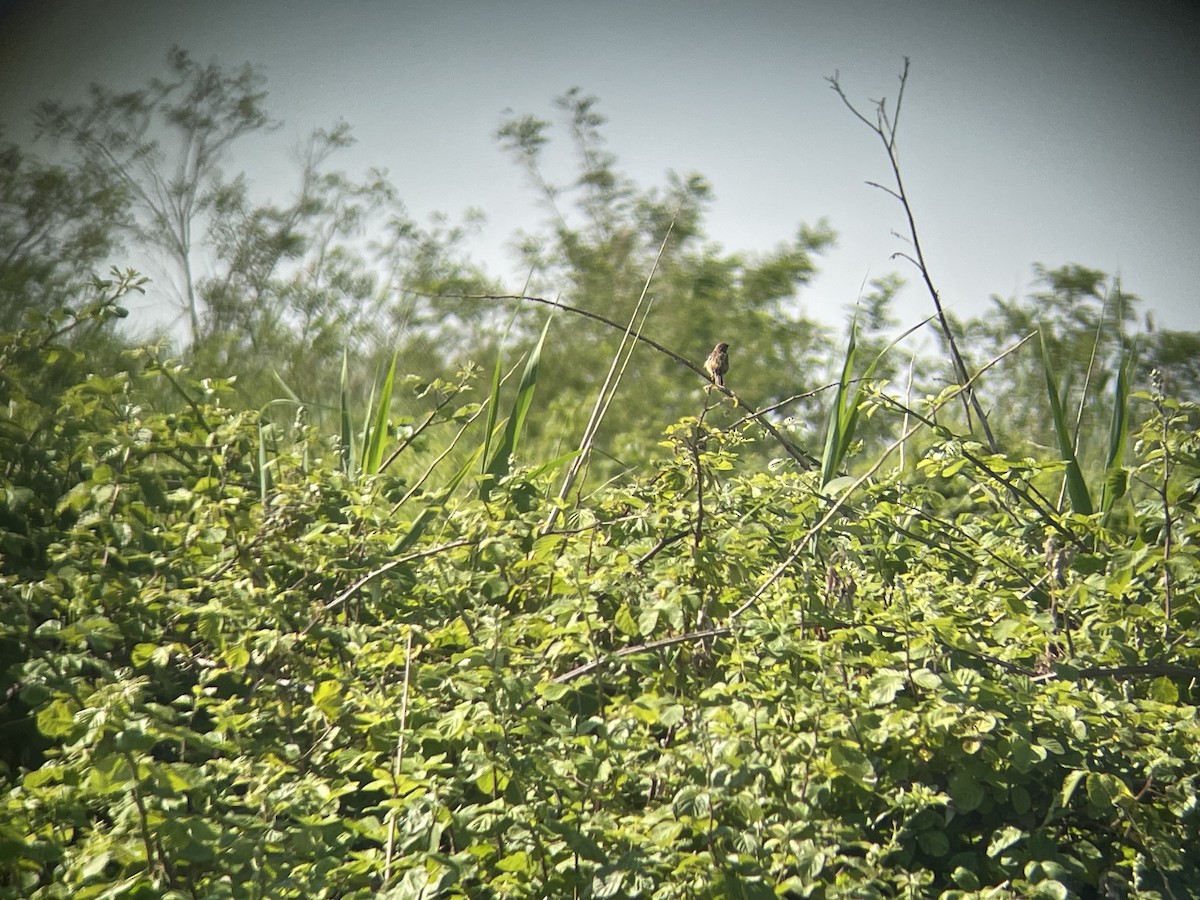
{"x":603,"y":661}
{"x":805,"y":459}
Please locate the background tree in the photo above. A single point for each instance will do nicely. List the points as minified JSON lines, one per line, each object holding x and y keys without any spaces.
{"x":275,"y":287}
{"x":1089,"y":323}
{"x":340,"y":267}
{"x":340,"y":262}
{"x":596,"y":252}
{"x":164,"y":145}
{"x":58,"y":224}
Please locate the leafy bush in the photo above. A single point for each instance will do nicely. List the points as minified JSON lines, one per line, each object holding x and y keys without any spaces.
{"x":235,"y":667}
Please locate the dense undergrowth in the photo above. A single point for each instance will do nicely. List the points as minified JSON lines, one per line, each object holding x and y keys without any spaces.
{"x":234,"y":666}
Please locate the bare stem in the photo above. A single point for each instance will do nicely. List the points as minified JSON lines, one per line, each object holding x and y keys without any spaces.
{"x":885,"y":127}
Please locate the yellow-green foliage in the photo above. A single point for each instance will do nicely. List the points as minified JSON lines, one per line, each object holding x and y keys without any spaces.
{"x":343,"y":687}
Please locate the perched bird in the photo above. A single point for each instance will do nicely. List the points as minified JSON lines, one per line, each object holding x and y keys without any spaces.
{"x":717,"y":364}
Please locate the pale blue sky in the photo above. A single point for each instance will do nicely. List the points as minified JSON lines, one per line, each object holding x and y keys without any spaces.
{"x":1032,"y":132}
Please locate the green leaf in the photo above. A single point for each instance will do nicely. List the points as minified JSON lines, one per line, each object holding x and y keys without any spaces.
{"x":94,"y":867}
{"x":191,"y":838}
{"x":58,"y":719}
{"x":1049,"y":889}
{"x":926,"y":680}
{"x":1053,"y":745}
{"x":134,"y":739}
{"x":236,"y":657}
{"x":965,"y":878}
{"x":491,"y":780}
{"x":579,"y":842}
{"x":109,"y":773}
{"x":1023,"y":755}
{"x":671,"y":715}
{"x":850,"y":761}
{"x":509,"y":444}
{"x":1004,"y":838}
{"x":514,"y":862}
{"x":142,"y":654}
{"x":553,"y":691}
{"x":34,"y":694}
{"x":375,"y":440}
{"x":1163,"y":690}
{"x":647,"y":621}
{"x":884,"y":686}
{"x":934,"y":843}
{"x":836,"y":486}
{"x":1070,"y":783}
{"x":1081,"y":500}
{"x":328,"y":697}
{"x":644,"y":711}
{"x":609,"y":884}
{"x":1106,"y":792}
{"x":624,"y":622}
{"x":965,"y":790}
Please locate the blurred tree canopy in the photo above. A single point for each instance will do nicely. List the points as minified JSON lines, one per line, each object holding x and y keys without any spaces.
{"x":1089,"y":322}
{"x":599,"y":247}
{"x":58,"y":224}
{"x":163,"y":146}
{"x":279,"y":290}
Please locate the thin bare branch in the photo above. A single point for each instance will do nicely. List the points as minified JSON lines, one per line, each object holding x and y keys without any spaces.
{"x":588,"y":667}
{"x":886,"y":190}
{"x":805,"y":459}
{"x":375,"y":573}
{"x":885,"y":130}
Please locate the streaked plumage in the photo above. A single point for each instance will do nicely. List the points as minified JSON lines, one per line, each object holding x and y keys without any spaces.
{"x":717,"y":364}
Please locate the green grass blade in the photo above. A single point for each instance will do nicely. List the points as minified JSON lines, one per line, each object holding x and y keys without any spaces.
{"x":493,"y":403}
{"x":489,"y":428}
{"x":499,"y":464}
{"x":1115,"y":481}
{"x":347,"y":447}
{"x":458,"y":476}
{"x":287,"y":388}
{"x":555,"y":463}
{"x":843,"y":415}
{"x":365,"y":432}
{"x":415,"y":530}
{"x":264,"y":477}
{"x":844,"y":418}
{"x":837,"y":427}
{"x":1077,"y":490}
{"x":377,"y":432}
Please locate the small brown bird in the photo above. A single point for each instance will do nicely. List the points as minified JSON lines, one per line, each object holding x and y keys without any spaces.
{"x":717,"y":364}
